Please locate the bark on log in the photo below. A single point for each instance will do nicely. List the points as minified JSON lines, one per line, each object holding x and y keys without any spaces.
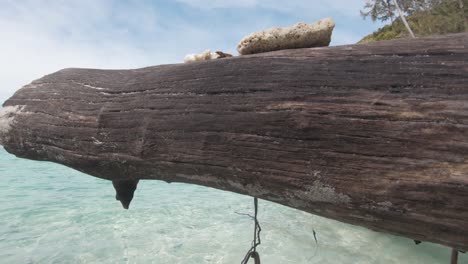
{"x":374,"y":135}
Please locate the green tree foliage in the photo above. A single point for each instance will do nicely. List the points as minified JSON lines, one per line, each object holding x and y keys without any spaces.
{"x":425,"y":17}
{"x":382,"y":10}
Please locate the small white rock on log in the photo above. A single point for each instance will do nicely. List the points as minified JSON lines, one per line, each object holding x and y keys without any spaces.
{"x":206,"y":55}
{"x":300,"y":35}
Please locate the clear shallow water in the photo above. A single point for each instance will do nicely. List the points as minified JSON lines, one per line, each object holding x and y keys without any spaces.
{"x":52,"y":214}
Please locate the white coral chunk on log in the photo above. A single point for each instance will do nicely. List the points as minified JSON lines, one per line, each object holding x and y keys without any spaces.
{"x":300,"y":35}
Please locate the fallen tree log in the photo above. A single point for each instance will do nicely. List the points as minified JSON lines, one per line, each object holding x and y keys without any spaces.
{"x":374,"y":135}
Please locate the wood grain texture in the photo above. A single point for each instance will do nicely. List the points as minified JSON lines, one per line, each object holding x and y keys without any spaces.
{"x":374,"y":135}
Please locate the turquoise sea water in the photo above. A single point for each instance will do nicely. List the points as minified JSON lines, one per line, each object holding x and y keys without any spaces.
{"x":52,"y":214}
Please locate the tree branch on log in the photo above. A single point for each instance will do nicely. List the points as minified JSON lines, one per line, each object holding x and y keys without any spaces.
{"x":403,"y":19}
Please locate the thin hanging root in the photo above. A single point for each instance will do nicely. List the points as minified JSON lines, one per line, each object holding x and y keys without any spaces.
{"x":454,"y":258}
{"x":124,"y":191}
{"x":252,"y":253}
{"x":256,"y":257}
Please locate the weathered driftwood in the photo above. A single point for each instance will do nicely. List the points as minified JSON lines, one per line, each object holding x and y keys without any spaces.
{"x":374,"y":135}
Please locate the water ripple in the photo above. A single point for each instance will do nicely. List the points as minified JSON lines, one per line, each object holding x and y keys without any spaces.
{"x":52,"y":214}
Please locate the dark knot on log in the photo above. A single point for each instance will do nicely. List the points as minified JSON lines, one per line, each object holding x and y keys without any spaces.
{"x":124,"y":191}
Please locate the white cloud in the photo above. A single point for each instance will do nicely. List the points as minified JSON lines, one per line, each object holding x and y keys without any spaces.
{"x":350,"y":27}
{"x":212,"y":4}
{"x":346,"y":7}
{"x":40,"y":37}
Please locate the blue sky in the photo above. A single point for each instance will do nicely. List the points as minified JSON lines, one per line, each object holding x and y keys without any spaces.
{"x":43,"y":36}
